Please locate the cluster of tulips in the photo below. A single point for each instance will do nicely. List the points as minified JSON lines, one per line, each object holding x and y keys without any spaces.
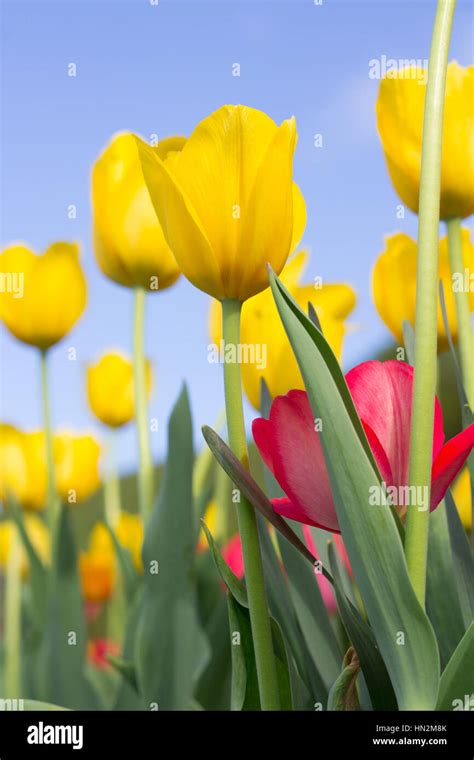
{"x":302,"y":571}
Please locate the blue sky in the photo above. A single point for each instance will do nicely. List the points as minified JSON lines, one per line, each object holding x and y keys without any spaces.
{"x":160,"y":69}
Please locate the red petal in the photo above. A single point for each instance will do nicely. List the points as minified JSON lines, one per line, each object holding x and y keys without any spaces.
{"x":382,"y":394}
{"x":448,"y":463}
{"x":298,"y":461}
{"x":262,"y":435}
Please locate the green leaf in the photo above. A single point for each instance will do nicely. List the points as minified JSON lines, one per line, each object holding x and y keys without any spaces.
{"x":462,"y":559}
{"x":170,"y":647}
{"x":251,"y":490}
{"x":244,"y":692}
{"x":63,"y":649}
{"x":282,"y":667}
{"x":312,"y":617}
{"x":456,"y":688}
{"x":127,"y":568}
{"x":33,"y":705}
{"x":361,"y":635}
{"x":38,"y":577}
{"x":343,"y":695}
{"x":370,"y":534}
{"x":126,"y":668}
{"x":442,"y":601}
{"x":234,"y":584}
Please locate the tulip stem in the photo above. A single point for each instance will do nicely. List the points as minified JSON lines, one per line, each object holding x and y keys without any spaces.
{"x":13,"y":618}
{"x":259,"y":616}
{"x":145,"y":469}
{"x":463,"y":308}
{"x":111,"y":486}
{"x":421,"y":444}
{"x":48,"y":433}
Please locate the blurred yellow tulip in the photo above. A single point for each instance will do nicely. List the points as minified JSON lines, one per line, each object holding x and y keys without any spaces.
{"x":42,"y":296}
{"x":110,"y":389}
{"x":38,"y":535}
{"x":394,"y":284}
{"x":462,"y":496}
{"x":129,"y":531}
{"x":76,"y":459}
{"x":262,"y":330}
{"x":400,"y":107}
{"x":98,"y":565}
{"x":22,"y":467}
{"x":227,"y":202}
{"x":210,"y":518}
{"x":129,"y":243}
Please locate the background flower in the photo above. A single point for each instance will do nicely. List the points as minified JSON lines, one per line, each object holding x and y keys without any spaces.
{"x":54,"y":293}
{"x":400,"y":107}
{"x":128,"y":240}
{"x":261,"y":328}
{"x":110,"y":390}
{"x":394,"y":284}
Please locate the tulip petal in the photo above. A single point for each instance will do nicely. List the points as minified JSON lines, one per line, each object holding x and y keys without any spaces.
{"x":267,"y":218}
{"x":262,"y":432}
{"x":449,"y":462}
{"x":286,"y":508}
{"x":303,"y":478}
{"x":299,"y":217}
{"x":382,"y":393}
{"x":180,"y":222}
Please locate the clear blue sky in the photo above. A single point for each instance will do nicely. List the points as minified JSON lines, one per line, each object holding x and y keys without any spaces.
{"x":160,"y":69}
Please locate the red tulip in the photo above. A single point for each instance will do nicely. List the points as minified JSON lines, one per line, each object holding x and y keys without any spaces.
{"x":232,"y":554}
{"x":382,"y":394}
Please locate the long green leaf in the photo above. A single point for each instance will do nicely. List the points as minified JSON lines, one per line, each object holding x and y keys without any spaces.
{"x":462,"y":559}
{"x":456,"y":688}
{"x":170,"y":647}
{"x":402,"y":630}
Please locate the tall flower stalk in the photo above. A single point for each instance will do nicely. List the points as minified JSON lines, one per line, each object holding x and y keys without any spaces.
{"x":51,"y":495}
{"x":13,"y":619}
{"x":145,"y":468}
{"x":416,"y":542}
{"x":463,"y":308}
{"x":259,"y":617}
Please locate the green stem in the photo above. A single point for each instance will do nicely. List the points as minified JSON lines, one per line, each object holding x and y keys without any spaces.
{"x":259,"y":617}
{"x":51,"y":497}
{"x":421,"y":445}
{"x":111,"y":486}
{"x":13,"y":618}
{"x":145,"y":470}
{"x":463,"y":309}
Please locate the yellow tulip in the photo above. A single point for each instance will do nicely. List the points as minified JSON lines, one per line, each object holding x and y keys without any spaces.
{"x":110,"y":389}
{"x":22,"y":467}
{"x":129,"y":532}
{"x":263,"y":332}
{"x":98,"y":565}
{"x":38,"y":535}
{"x":129,"y":243}
{"x":210,"y":518}
{"x":400,"y":107}
{"x":43,"y":296}
{"x":227,"y":202}
{"x":463,"y":498}
{"x":76,"y":459}
{"x":394,"y":284}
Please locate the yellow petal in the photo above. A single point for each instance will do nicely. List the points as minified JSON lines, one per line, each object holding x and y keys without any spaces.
{"x":23,"y":467}
{"x":129,"y":531}
{"x":76,"y":466}
{"x":400,"y":107}
{"x":462,"y":497}
{"x":394,"y":284}
{"x":110,"y":389}
{"x":267,"y":224}
{"x":129,"y":243}
{"x":180,"y":223}
{"x":226,"y":201}
{"x":54,"y":293}
{"x":37,"y":533}
{"x":299,"y":217}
